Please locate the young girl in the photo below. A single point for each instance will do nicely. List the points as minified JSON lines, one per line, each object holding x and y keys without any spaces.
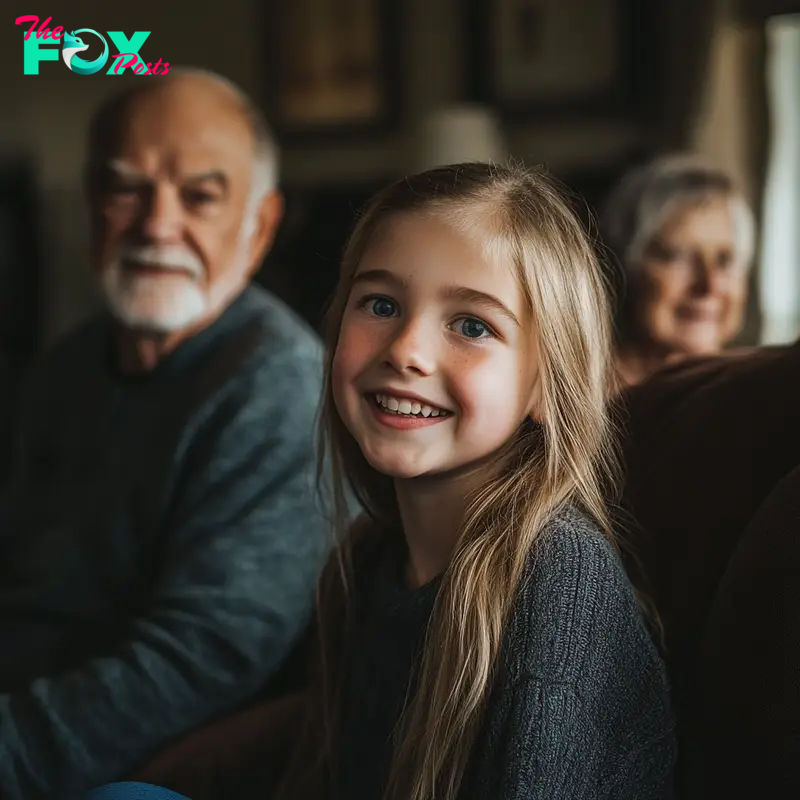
{"x":481,"y":639}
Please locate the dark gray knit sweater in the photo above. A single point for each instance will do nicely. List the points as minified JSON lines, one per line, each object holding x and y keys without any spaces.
{"x":159,"y":543}
{"x":579,"y":709}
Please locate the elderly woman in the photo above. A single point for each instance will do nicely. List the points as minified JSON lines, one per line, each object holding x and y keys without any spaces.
{"x":684,"y":236}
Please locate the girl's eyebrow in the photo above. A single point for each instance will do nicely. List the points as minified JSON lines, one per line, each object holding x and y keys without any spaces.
{"x":464,"y":293}
{"x":451,"y":292}
{"x":378,"y":275}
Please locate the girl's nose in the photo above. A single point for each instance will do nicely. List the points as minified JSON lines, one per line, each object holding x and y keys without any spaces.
{"x":412,"y":350}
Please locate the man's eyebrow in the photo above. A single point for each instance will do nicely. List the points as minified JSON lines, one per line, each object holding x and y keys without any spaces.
{"x":214,"y":175}
{"x":122,"y":169}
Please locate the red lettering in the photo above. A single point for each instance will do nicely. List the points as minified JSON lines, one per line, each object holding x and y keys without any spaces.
{"x":28,"y":18}
{"x":42,"y":32}
{"x":119,"y":65}
{"x":138,"y":69}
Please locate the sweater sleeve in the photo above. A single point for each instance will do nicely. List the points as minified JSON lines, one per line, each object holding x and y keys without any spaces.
{"x":242,"y":551}
{"x":587,"y":714}
{"x":560,"y":747}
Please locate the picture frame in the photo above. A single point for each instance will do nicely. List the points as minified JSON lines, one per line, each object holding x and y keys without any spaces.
{"x":333,"y":68}
{"x":561,"y":58}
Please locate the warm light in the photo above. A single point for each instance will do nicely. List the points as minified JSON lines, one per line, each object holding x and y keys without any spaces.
{"x":457,"y":134}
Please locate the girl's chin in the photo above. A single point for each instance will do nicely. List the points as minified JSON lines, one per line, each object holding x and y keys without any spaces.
{"x":394,"y":464}
{"x":397,"y":470}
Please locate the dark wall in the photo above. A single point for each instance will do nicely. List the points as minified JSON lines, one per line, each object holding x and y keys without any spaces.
{"x":20,"y":308}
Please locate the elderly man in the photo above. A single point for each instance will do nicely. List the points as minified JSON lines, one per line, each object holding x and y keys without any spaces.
{"x":160,"y":540}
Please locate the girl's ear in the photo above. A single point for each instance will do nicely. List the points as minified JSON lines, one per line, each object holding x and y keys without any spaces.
{"x":535,"y":408}
{"x":536,"y":416}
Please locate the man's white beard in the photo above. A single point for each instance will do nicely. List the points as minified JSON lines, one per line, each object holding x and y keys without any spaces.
{"x":161,"y":304}
{"x":170,"y":302}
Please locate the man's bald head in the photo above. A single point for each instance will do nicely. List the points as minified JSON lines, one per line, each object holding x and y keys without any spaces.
{"x":202,"y":90}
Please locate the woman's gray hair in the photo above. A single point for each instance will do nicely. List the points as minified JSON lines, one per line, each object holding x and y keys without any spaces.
{"x":647,"y":196}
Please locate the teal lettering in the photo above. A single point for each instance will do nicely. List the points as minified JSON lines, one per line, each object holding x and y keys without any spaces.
{"x":129,"y":47}
{"x":36,"y":49}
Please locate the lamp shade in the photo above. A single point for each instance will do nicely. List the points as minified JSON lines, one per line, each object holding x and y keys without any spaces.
{"x":457,"y":134}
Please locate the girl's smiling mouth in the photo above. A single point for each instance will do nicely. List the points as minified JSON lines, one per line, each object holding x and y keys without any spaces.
{"x":403,"y":412}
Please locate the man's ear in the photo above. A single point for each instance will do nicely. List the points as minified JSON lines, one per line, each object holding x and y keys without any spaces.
{"x":268,"y":218}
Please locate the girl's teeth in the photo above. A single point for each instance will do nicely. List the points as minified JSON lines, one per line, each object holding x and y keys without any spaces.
{"x":403,"y":406}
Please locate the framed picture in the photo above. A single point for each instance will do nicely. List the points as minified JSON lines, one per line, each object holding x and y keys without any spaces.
{"x":334,"y":66}
{"x":560,"y":57}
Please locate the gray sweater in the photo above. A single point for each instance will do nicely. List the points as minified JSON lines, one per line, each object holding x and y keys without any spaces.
{"x":159,"y":543}
{"x":579,"y":708}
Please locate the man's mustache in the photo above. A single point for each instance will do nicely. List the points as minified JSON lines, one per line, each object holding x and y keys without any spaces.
{"x":161,"y":257}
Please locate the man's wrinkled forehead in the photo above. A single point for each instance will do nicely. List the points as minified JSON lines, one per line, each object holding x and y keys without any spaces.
{"x":186,"y":137}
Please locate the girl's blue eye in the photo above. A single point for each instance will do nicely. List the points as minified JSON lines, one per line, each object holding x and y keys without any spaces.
{"x":472,"y":328}
{"x":381,"y":306}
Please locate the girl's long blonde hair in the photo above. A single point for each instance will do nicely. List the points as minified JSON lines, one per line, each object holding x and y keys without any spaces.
{"x":570,"y":457}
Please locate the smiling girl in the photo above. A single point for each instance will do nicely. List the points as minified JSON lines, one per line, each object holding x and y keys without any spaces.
{"x":479,"y":636}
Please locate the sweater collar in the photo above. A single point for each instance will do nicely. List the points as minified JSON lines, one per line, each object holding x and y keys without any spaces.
{"x":189,"y":351}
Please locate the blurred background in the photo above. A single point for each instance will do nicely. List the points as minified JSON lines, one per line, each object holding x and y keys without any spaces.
{"x":362,"y":91}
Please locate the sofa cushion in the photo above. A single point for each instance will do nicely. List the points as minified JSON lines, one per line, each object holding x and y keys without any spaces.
{"x":707,"y":441}
{"x":744,"y":711}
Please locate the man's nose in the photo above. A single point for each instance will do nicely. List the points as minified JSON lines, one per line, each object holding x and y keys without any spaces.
{"x":163,"y":215}
{"x":413,"y":349}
